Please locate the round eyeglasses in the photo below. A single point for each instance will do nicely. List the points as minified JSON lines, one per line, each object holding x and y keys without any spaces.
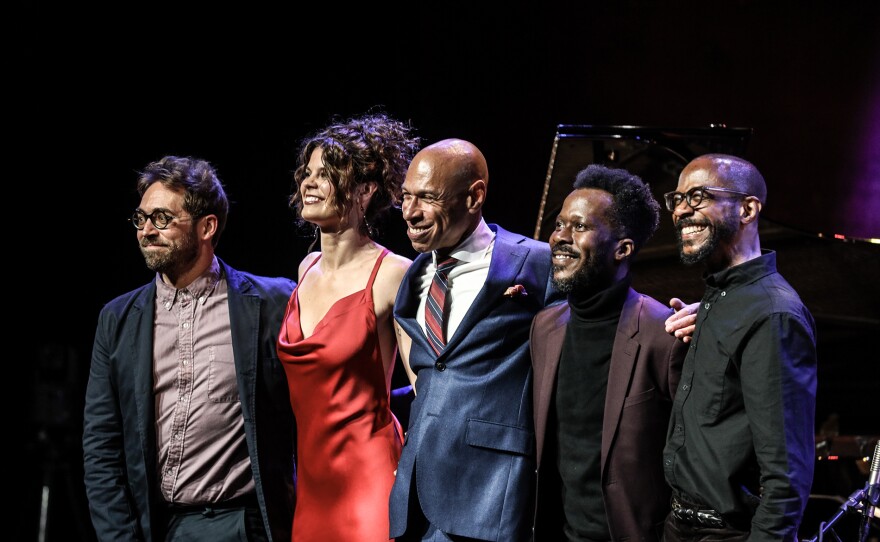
{"x":160,"y":218}
{"x":695,"y":196}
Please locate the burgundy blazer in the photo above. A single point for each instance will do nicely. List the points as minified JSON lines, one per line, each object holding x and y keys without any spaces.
{"x":643,"y":374}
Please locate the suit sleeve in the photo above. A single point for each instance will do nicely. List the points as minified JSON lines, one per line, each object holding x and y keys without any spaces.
{"x":104,"y":466}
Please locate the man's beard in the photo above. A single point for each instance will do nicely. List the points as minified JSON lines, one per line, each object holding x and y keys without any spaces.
{"x":177,"y":256}
{"x":590,"y":276}
{"x":723,"y":230}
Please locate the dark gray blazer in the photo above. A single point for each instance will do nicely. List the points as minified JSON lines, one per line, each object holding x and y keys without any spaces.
{"x":119,"y":439}
{"x":469,"y":450}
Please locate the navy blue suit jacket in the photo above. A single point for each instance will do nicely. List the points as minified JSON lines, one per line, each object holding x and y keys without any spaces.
{"x":470,"y":446}
{"x":119,"y":437}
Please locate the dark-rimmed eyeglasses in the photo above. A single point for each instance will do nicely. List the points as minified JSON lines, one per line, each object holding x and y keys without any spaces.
{"x":160,"y":218}
{"x":695,"y":196}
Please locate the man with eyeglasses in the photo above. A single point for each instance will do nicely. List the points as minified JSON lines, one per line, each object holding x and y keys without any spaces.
{"x":188,"y":432}
{"x":740,"y":445}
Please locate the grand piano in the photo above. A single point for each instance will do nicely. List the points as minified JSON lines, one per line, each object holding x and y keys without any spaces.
{"x":838,"y":278}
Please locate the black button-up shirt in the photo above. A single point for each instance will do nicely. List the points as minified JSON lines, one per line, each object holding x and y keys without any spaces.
{"x":741,"y":437}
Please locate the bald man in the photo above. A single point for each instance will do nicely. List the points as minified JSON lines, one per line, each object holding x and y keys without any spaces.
{"x":740,"y":446}
{"x":468,"y":462}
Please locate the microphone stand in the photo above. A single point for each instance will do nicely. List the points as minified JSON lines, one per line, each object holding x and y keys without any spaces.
{"x":862,"y":501}
{"x":852,"y":504}
{"x":872,"y":494}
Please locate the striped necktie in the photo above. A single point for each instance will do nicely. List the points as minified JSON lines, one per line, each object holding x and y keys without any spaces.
{"x":435,"y":308}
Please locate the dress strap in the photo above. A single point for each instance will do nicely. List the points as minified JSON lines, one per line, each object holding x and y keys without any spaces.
{"x":310,"y":266}
{"x":376,"y":267}
{"x":295,"y":295}
{"x":293,"y":304}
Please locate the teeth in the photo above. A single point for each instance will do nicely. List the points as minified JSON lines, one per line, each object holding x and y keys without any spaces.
{"x":562,"y":256}
{"x":310,"y":199}
{"x":688,"y":230}
{"x":417,"y":230}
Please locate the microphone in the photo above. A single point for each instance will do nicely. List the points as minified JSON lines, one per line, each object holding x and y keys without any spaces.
{"x":872,"y":490}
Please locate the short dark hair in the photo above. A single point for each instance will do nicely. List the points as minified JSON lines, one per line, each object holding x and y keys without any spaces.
{"x":634,"y":212}
{"x":203,"y":193}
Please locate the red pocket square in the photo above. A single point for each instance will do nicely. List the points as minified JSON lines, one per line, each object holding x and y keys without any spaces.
{"x":516,"y":290}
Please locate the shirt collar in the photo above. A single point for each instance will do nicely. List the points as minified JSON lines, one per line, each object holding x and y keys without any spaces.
{"x":203,"y":286}
{"x":744,"y":273}
{"x":475,"y":246}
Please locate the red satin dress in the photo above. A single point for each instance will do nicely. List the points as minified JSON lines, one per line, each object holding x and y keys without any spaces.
{"x":348,"y":441}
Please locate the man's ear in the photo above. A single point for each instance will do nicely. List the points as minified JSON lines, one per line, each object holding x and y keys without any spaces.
{"x":208,"y":228}
{"x":749,"y":210}
{"x":476,"y":195}
{"x":624,"y":250}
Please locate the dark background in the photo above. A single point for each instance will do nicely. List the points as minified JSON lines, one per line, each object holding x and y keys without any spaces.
{"x":95,"y":94}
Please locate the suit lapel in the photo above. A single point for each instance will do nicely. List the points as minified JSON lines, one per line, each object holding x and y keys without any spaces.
{"x":407,"y":302}
{"x":141,"y":350}
{"x":508,"y":258}
{"x":244,"y":318}
{"x":546,"y":364}
{"x":620,"y":373}
{"x":505,"y":266}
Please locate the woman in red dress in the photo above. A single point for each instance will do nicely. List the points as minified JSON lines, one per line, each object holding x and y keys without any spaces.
{"x":337,"y":343}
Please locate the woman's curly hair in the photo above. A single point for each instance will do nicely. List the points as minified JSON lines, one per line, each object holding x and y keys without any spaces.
{"x":370,"y":148}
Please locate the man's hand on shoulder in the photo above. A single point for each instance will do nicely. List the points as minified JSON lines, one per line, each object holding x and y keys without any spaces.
{"x":683,"y":320}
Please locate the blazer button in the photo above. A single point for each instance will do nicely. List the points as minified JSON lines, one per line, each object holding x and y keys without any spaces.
{"x":440,"y":366}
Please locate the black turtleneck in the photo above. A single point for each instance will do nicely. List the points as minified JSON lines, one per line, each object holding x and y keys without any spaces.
{"x":581,"y":384}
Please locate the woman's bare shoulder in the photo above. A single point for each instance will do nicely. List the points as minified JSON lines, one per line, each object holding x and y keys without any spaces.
{"x":306,"y":262}
{"x":397,"y":262}
{"x":391,"y":273}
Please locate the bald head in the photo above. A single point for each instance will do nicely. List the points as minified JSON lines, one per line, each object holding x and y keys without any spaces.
{"x":731,"y":172}
{"x":460,"y":161}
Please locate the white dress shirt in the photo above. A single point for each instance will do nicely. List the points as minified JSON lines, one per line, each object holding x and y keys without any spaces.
{"x":465,"y":280}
